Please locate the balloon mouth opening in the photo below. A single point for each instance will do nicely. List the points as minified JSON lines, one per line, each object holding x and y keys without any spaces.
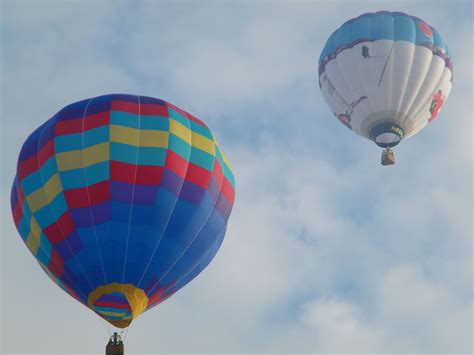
{"x":387,"y":134}
{"x":118,"y":304}
{"x":115,"y":308}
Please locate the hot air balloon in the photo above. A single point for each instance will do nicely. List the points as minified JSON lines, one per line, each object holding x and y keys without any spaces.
{"x":385,"y":76}
{"x":122,"y":200}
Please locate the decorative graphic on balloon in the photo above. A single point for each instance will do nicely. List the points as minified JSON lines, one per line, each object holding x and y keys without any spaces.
{"x":366,"y":52}
{"x":123,"y":200}
{"x":398,"y":63}
{"x":436,"y":104}
{"x":345,"y":118}
{"x":425,"y":28}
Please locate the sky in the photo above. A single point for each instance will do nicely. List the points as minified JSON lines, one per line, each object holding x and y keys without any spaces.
{"x":326,"y":250}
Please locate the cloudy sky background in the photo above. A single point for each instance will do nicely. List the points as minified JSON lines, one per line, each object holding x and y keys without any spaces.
{"x":326,"y":251}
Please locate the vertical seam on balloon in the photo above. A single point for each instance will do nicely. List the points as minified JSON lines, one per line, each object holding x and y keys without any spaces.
{"x":202,"y":226}
{"x":114,"y":256}
{"x":416,"y":98}
{"x":371,"y":19}
{"x":361,"y":81}
{"x":217,"y":241}
{"x":385,"y":65}
{"x":388,"y":93}
{"x":53,"y":212}
{"x":345,"y":81}
{"x":87,"y":190}
{"x":345,"y":101}
{"x":133,"y":193}
{"x":431,"y":92}
{"x":430,"y":97}
{"x":408,"y":117}
{"x":175,"y":202}
{"x":387,"y":96}
{"x":404,"y":90}
{"x":190,"y":243}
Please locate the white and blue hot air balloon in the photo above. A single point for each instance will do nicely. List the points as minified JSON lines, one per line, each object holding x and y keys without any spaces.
{"x":385,"y":76}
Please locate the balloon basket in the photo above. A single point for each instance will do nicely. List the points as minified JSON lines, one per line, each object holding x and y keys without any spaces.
{"x":388,"y":158}
{"x":115,"y":345}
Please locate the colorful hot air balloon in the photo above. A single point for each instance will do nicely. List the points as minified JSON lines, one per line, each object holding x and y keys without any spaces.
{"x":385,"y":75}
{"x":122,"y":200}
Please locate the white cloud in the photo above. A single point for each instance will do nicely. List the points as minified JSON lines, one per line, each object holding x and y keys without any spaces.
{"x":422,"y":312}
{"x":340,"y":327}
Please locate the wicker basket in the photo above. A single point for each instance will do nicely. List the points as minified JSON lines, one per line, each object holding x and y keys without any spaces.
{"x":115,"y":345}
{"x":388,"y":158}
{"x":114,"y":349}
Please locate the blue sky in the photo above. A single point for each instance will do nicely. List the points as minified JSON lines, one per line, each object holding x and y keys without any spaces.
{"x":326,"y":250}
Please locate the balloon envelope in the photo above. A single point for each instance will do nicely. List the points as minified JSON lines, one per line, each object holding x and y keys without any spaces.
{"x":123,"y":200}
{"x":385,"y":75}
